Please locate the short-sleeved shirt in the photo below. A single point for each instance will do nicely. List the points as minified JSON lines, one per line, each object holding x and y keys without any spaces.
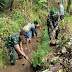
{"x":61,"y":10}
{"x":13,"y":40}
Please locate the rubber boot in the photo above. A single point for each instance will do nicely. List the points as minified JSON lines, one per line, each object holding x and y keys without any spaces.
{"x":12,"y":64}
{"x":63,"y":21}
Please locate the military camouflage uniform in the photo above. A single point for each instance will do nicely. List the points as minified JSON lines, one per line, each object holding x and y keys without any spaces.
{"x":12,"y":42}
{"x":52,"y":22}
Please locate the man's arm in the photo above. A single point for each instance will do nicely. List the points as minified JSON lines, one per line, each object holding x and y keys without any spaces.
{"x":33,"y":31}
{"x":21,"y":52}
{"x":21,"y":46}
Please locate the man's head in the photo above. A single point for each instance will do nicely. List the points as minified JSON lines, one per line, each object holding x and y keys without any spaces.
{"x":52,"y":12}
{"x":36,"y":23}
{"x":59,"y":3}
{"x":22,"y":34}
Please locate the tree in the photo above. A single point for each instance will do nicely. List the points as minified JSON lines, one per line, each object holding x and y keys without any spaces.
{"x":62,"y":1}
{"x":68,"y":7}
{"x":11,"y":6}
{"x":5,"y":4}
{"x":48,"y":5}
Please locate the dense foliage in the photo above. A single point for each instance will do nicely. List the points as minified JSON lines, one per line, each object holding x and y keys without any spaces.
{"x":25,"y":11}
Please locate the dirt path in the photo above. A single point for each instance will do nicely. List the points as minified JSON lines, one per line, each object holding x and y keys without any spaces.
{"x":28,"y":50}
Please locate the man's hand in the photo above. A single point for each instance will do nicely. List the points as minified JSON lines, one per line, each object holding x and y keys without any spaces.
{"x":56,"y":28}
{"x":26,"y":57}
{"x":53,"y":31}
{"x":21,"y":49}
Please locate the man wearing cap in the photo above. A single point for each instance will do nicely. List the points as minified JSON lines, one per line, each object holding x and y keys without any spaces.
{"x":30,"y":29}
{"x":14,"y":42}
{"x":61,"y":9}
{"x":53,"y":24}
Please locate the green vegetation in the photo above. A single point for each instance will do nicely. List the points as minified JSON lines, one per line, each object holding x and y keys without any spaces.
{"x":42,"y":51}
{"x":24,"y":12}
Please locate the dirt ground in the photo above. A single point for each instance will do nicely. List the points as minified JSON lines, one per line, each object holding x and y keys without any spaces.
{"x":23,"y":65}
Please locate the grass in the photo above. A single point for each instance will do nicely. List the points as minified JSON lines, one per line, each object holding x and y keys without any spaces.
{"x":70,"y":24}
{"x":2,"y":14}
{"x":42,"y":51}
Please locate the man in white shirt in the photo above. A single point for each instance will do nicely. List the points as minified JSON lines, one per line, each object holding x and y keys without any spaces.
{"x":61,"y":9}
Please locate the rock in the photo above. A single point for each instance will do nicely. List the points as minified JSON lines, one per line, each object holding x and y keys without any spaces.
{"x":5,"y":66}
{"x":29,"y":50}
{"x":58,"y":53}
{"x":51,"y":65}
{"x":61,"y":70}
{"x":52,"y":68}
{"x":63,"y":28}
{"x":54,"y":53}
{"x":64,"y":50}
{"x":66,"y":59}
{"x":69,"y":43}
{"x":37,"y":41}
{"x":44,"y":59}
{"x":47,"y":70}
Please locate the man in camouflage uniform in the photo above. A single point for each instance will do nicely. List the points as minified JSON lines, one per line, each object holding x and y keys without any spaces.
{"x":53,"y":24}
{"x":14,"y":42}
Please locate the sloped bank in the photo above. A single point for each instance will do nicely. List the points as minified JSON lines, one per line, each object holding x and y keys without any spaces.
{"x":42,"y":51}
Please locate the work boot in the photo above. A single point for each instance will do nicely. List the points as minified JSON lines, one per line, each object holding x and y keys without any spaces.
{"x":20,"y":57}
{"x":12,"y":63}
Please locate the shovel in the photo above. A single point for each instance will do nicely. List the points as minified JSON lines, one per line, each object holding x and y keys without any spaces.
{"x":53,"y":41}
{"x":29,"y":63}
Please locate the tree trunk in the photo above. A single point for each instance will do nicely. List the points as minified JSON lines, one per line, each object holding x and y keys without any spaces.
{"x":66,"y":1}
{"x":62,"y":1}
{"x":31,"y":4}
{"x":11,"y":6}
{"x":25,"y":6}
{"x":48,"y":5}
{"x":68,"y":7}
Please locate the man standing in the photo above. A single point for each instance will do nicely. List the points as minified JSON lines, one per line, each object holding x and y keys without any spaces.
{"x":53,"y":24}
{"x":61,"y":9}
{"x":14,"y":42}
{"x":30,"y":29}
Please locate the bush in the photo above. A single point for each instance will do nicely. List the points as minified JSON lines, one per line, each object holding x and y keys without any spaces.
{"x":4,"y":4}
{"x":42,"y":51}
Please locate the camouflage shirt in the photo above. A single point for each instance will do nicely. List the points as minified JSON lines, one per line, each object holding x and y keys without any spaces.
{"x":13,"y":40}
{"x":53,"y":21}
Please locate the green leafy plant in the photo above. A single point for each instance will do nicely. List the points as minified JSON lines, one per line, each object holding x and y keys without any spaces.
{"x":42,"y":51}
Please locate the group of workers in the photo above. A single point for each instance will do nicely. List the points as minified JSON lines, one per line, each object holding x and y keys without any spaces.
{"x":14,"y":41}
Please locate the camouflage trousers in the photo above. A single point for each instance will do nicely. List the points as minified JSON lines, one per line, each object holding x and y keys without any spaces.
{"x":50,"y":32}
{"x":11,"y":54}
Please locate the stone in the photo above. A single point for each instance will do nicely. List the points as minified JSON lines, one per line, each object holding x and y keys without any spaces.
{"x":64,"y":50}
{"x":5,"y":66}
